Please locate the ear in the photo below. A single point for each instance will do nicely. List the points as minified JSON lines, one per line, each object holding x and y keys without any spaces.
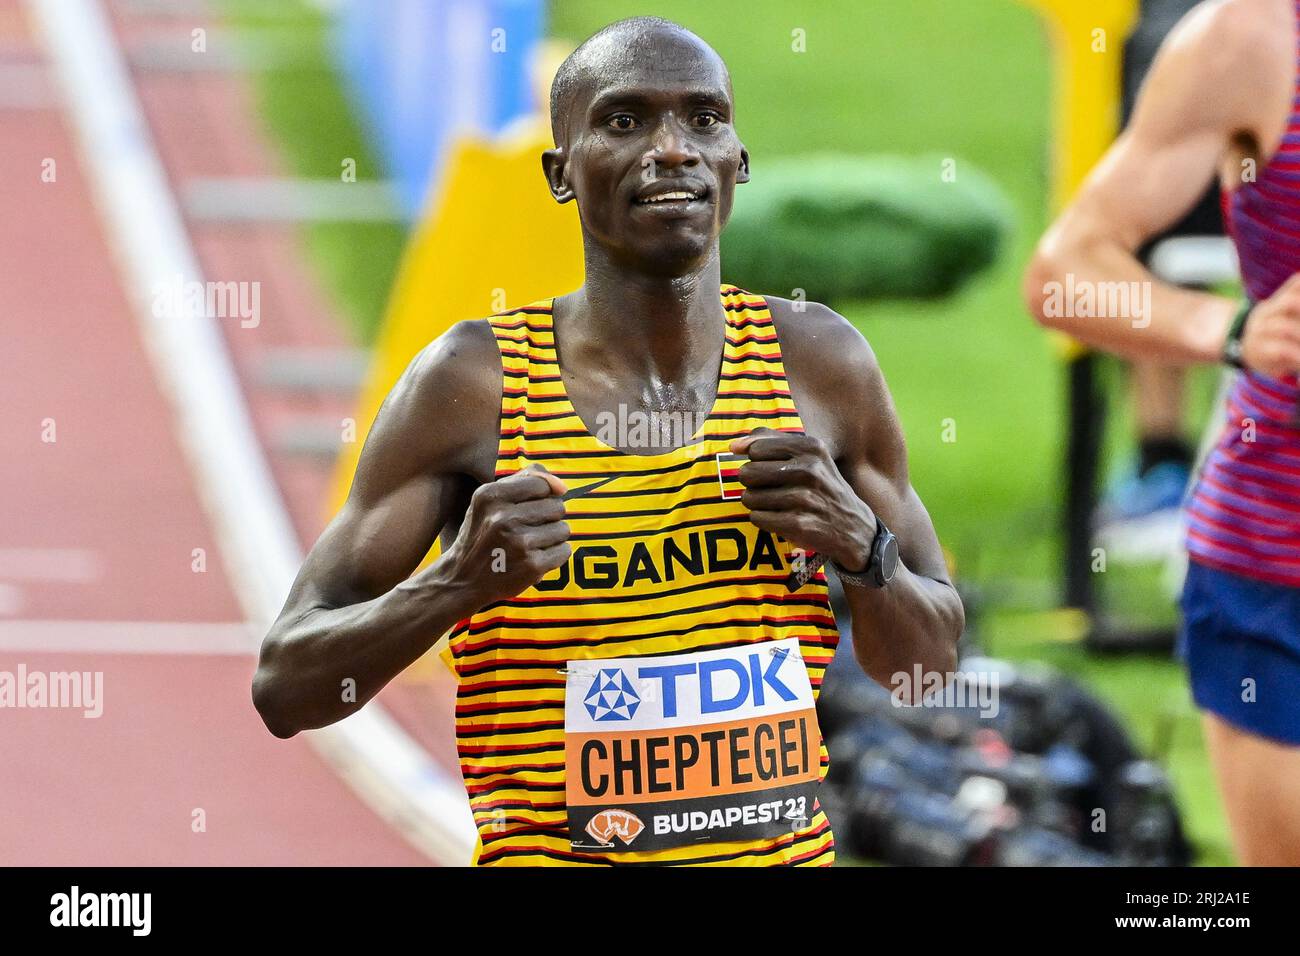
{"x":742,"y":174}
{"x":553,"y":164}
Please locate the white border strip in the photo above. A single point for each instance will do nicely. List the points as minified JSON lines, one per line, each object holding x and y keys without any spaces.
{"x":193,"y":367}
{"x":128,"y":637}
{"x":75,"y":565}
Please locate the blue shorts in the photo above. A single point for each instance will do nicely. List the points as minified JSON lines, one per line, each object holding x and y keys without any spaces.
{"x":1240,"y":641}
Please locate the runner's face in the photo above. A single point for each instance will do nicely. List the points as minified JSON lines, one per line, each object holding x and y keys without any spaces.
{"x":657,"y":122}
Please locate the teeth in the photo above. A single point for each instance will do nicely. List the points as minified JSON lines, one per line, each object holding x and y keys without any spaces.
{"x":663,"y":197}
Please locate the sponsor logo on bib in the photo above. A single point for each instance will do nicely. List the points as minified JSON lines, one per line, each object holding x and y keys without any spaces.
{"x":607,"y":824}
{"x":707,"y":746}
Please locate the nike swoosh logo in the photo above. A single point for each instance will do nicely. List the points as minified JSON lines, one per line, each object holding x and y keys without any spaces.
{"x":579,"y":492}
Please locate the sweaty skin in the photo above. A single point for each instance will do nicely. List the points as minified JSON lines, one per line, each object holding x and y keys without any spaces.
{"x":646,"y":109}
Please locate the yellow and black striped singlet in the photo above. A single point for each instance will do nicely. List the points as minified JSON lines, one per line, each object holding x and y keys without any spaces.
{"x":625,"y":591}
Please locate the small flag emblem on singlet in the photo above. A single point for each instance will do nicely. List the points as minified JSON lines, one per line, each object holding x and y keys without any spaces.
{"x":729,"y":474}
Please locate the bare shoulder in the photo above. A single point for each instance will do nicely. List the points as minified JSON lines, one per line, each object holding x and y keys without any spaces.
{"x":1225,"y":53}
{"x":443,"y":413}
{"x":460,"y":362}
{"x":459,"y":371}
{"x":1235,"y":26}
{"x":811,"y":332}
{"x":834,"y":375}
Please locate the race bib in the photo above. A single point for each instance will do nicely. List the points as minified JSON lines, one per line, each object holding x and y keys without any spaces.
{"x":661,"y":752}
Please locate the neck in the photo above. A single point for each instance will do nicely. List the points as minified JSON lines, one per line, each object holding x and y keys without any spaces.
{"x":663,"y":329}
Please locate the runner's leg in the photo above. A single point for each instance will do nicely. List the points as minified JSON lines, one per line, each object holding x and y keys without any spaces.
{"x":1258,"y":779}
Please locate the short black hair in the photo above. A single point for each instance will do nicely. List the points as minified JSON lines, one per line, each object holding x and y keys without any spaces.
{"x":567,"y":77}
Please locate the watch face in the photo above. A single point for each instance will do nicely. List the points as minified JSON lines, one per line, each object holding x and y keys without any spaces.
{"x":889,"y":558}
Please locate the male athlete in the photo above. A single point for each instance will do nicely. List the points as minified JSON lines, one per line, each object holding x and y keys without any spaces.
{"x":1220,"y":99}
{"x":636,"y":647}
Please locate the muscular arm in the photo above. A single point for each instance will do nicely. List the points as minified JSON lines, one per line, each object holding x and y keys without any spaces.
{"x":918,"y":617}
{"x":1213,"y":84}
{"x":353,"y":613}
{"x":850,"y":468}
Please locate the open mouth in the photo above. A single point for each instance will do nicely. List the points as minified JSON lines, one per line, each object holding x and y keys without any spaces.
{"x":672,"y":198}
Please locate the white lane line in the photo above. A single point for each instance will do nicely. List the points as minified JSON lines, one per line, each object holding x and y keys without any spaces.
{"x":194,"y":369}
{"x":73,"y":565}
{"x":128,"y":637}
{"x":190,"y":357}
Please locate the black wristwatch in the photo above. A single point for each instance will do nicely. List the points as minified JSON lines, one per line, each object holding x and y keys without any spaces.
{"x":882,"y":566}
{"x":1232,"y":347}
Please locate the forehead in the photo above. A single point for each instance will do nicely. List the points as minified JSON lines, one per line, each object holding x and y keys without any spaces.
{"x":659,"y":65}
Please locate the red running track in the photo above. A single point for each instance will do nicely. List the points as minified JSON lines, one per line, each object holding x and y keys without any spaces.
{"x":98,"y":529}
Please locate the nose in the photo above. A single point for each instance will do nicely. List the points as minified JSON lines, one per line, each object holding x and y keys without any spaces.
{"x":670,"y":145}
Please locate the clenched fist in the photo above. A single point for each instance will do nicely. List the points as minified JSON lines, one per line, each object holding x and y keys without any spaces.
{"x":1271,"y":343}
{"x":794,"y":489}
{"x":513,"y":535}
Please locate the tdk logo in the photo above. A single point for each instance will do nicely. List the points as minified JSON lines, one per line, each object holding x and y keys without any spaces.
{"x":611,"y":696}
{"x":754,"y":679}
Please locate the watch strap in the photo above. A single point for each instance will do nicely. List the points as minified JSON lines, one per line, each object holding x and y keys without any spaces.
{"x":870,"y":576}
{"x":1232,"y":346}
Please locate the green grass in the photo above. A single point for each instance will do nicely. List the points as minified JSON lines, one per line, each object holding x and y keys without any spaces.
{"x":307,"y":114}
{"x":966,"y":79}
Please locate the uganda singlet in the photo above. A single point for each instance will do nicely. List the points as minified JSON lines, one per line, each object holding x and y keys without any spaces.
{"x":651,"y":700}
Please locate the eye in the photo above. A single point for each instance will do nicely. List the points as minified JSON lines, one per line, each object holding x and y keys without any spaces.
{"x":705,"y":120}
{"x":623,"y":122}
